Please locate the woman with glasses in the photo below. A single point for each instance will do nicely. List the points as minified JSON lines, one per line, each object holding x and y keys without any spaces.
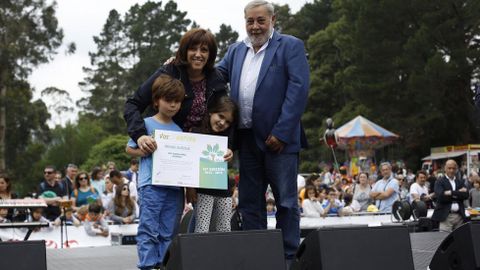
{"x":122,"y":209}
{"x":83,"y":193}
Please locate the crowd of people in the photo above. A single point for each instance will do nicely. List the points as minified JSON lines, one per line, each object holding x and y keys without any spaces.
{"x":336,"y":193}
{"x":103,"y":196}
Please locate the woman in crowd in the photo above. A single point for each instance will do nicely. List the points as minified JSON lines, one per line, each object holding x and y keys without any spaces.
{"x":83,"y":193}
{"x":122,"y":209}
{"x":108,"y":194}
{"x":6,"y":193}
{"x":361,"y":191}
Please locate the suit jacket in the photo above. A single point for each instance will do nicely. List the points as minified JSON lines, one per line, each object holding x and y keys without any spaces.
{"x":444,"y":203}
{"x":281,"y":92}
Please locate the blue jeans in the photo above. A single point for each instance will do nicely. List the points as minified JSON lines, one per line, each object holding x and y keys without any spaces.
{"x":257,"y":170}
{"x":160,"y":211}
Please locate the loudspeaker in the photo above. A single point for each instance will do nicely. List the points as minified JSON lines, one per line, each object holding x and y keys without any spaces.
{"x":369,"y":248}
{"x":239,"y":250}
{"x":23,"y":255}
{"x":460,"y":250}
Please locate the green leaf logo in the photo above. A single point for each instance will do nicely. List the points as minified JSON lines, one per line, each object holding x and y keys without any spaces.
{"x":213,"y":152}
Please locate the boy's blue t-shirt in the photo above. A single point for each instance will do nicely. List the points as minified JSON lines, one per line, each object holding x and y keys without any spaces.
{"x":145,"y":169}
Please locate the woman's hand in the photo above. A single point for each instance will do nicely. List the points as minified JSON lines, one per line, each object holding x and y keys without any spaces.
{"x":147,"y":144}
{"x":228,"y":156}
{"x":169,"y":60}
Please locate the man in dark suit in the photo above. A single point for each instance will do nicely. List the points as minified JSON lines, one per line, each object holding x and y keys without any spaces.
{"x":269,"y":78}
{"x":450,"y":193}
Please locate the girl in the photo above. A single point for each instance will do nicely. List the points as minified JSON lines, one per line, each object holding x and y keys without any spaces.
{"x":311,"y":205}
{"x":214,"y":203}
{"x":97,"y":180}
{"x":122,"y":208}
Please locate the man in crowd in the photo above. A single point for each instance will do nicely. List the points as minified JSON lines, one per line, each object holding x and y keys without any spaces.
{"x":419,"y":189}
{"x":269,"y":78}
{"x":69,"y":182}
{"x":117,"y":179}
{"x":450,"y":193}
{"x":386,"y":190}
{"x":52,"y":192}
{"x":132,"y":173}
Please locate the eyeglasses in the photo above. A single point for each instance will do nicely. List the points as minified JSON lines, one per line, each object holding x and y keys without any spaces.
{"x":83,"y":178}
{"x":125,"y":188}
{"x":47,"y":172}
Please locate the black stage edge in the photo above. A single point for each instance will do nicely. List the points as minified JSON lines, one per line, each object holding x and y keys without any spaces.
{"x":423,"y":244}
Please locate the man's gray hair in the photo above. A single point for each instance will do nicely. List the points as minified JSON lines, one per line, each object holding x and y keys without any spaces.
{"x":386,"y":163}
{"x":258,"y":3}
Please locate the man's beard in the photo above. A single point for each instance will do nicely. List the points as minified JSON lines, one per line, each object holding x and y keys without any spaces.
{"x":258,"y":41}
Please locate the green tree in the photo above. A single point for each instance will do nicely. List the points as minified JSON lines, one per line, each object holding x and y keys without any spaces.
{"x":59,"y":102}
{"x":28,"y":133}
{"x":406,"y":65}
{"x":129,"y":49}
{"x":111,"y":148}
{"x":29,"y":35}
{"x":225,"y":37}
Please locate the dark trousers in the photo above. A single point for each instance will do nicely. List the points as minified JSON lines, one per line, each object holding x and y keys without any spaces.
{"x":257,"y":170}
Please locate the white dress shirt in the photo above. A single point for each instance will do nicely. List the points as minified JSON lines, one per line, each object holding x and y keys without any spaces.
{"x":248,"y":82}
{"x":455,"y":207}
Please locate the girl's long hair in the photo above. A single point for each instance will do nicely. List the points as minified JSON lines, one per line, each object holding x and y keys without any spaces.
{"x":118,"y":202}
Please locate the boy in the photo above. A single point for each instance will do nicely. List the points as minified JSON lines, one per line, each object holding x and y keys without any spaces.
{"x":160,"y":207}
{"x":94,"y":223}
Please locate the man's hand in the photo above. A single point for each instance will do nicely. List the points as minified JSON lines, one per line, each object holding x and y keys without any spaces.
{"x":447,"y":193}
{"x":274,"y":144}
{"x":147,"y":144}
{"x":463,"y":189}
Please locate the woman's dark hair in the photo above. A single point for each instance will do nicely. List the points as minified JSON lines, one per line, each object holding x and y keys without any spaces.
{"x":118,"y":202}
{"x":7,"y":180}
{"x":77,"y":179}
{"x":197,"y":36}
{"x":312,"y":177}
{"x":95,"y":172}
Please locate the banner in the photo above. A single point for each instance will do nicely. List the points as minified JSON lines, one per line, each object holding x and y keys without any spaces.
{"x":190,"y":160}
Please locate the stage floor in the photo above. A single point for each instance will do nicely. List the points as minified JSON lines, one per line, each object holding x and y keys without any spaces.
{"x":423,"y":244}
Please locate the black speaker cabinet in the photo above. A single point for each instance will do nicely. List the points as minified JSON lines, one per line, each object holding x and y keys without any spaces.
{"x":360,"y":248}
{"x":239,"y":250}
{"x":460,"y":250}
{"x":23,"y":255}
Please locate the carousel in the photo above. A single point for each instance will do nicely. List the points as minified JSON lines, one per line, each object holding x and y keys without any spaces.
{"x":360,"y":138}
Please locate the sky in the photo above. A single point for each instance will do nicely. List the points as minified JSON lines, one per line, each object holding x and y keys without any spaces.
{"x":81,"y":20}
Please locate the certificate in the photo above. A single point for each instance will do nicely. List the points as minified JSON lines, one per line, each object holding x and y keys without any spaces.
{"x":190,"y":160}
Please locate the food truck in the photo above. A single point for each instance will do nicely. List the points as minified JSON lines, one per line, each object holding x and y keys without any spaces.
{"x":469,"y":155}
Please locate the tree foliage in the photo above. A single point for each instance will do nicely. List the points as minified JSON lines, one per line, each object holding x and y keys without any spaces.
{"x":129,"y":49}
{"x":29,"y":36}
{"x":225,"y":37}
{"x":111,"y":148}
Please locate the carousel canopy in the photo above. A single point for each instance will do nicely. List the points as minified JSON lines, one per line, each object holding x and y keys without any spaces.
{"x":361,"y":133}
